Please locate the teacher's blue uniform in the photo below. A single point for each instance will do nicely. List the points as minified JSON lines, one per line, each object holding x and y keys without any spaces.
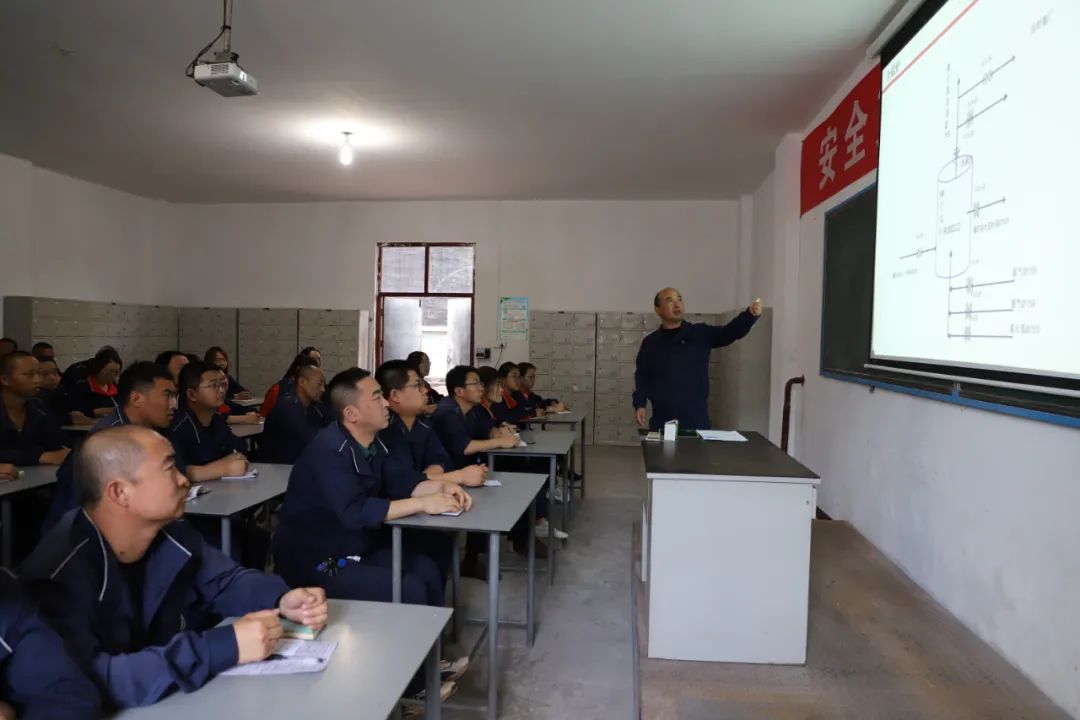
{"x":673,"y":370}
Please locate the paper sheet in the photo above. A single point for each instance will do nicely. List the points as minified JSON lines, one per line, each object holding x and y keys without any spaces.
{"x":196,"y":491}
{"x":452,"y":513}
{"x":249,"y":475}
{"x":493,"y":483}
{"x":289,"y":658}
{"x":723,"y":435}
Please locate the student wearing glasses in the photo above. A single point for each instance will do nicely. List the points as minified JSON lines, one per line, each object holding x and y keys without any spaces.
{"x":199,"y":433}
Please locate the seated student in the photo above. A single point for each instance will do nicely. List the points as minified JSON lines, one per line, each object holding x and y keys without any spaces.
{"x":77,"y":370}
{"x":55,"y":396}
{"x":468,"y":431}
{"x":331,"y":531}
{"x":421,"y":363}
{"x":236,"y":414}
{"x":312,"y":353}
{"x":95,"y":395}
{"x":216,"y":355}
{"x":465,"y":432}
{"x":510,"y":410}
{"x":8,"y":472}
{"x":136,"y":595}
{"x":147,"y":397}
{"x":43,"y":351}
{"x":297,"y":417}
{"x":29,"y":435}
{"x":174,"y":361}
{"x":415,"y":454}
{"x":7,"y":346}
{"x":336,"y":503}
{"x":287,"y":381}
{"x":534,"y":403}
{"x":199,"y":434}
{"x":488,"y":423}
{"x":37,"y":678}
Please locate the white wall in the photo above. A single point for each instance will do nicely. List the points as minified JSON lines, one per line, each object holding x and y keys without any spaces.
{"x":563,"y":255}
{"x":978,"y":508}
{"x":67,"y":238}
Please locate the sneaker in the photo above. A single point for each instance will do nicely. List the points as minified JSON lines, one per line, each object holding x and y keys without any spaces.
{"x":452,"y":669}
{"x":416,"y":708}
{"x":542,"y":531}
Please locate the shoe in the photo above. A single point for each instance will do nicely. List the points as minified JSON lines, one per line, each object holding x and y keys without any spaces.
{"x":556,"y":495}
{"x":416,"y":708}
{"x":521,"y":547}
{"x":474,"y":568}
{"x":452,"y":669}
{"x":542,"y":531}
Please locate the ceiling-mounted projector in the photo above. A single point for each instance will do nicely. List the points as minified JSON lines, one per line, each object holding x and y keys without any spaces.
{"x":227,"y":79}
{"x":223,"y":73}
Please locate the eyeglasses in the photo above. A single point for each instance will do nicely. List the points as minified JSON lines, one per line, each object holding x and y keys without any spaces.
{"x":418,"y":385}
{"x":216,"y":385}
{"x":473,"y":384}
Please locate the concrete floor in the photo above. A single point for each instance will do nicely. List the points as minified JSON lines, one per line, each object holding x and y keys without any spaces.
{"x":581,"y":665}
{"x":879,"y":648}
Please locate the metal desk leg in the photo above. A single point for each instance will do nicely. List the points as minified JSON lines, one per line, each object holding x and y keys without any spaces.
{"x":455,"y":580}
{"x":493,"y":626}
{"x":568,"y":491}
{"x":396,"y":572}
{"x":433,"y":682}
{"x":551,"y":527}
{"x":5,"y":518}
{"x":583,"y":433}
{"x":530,"y":598}
{"x":226,"y":535}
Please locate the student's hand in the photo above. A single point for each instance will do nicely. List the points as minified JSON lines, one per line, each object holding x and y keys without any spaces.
{"x":77,"y":418}
{"x":756,"y":307}
{"x":453,"y":489}
{"x":102,"y":412}
{"x":559,"y":407}
{"x":473,"y":475}
{"x":54,"y":457}
{"x":305,"y":605}
{"x":8,"y":472}
{"x":233,"y":465}
{"x":639,"y":415}
{"x":507,"y":442}
{"x":439,"y":503}
{"x":256,"y":634}
{"x":539,"y":411}
{"x":6,"y":711}
{"x":245,"y":395}
{"x":251,"y":418}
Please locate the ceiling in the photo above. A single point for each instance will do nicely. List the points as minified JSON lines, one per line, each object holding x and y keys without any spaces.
{"x":447,"y":98}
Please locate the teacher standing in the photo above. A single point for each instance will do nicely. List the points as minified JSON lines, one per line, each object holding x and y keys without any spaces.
{"x":673,"y":363}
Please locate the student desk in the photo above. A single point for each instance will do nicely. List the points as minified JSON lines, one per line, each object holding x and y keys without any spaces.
{"x":551,"y":445}
{"x":248,"y":433}
{"x":33,"y":477}
{"x":249,"y":403}
{"x":77,"y":429}
{"x":230,"y":497}
{"x":726,"y":550}
{"x":379,"y":648}
{"x":494,"y":511}
{"x":576,"y":421}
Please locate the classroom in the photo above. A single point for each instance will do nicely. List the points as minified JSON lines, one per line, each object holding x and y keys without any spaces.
{"x":706,"y":360}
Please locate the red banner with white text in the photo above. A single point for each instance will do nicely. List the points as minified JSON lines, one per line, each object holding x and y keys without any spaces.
{"x":844,"y":148}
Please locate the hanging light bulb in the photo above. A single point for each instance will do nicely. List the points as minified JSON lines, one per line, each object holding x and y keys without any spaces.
{"x":345,"y":155}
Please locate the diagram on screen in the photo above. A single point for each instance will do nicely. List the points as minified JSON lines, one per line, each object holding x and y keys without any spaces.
{"x":969,"y":209}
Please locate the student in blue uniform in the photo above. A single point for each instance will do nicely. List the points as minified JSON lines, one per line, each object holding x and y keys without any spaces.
{"x":147,"y":399}
{"x":421,"y":363}
{"x":29,"y":434}
{"x":511,"y":408}
{"x":94,"y":395}
{"x":216,"y":355}
{"x":199,"y":433}
{"x":76,"y":371}
{"x":287,"y":383}
{"x":297,"y":417}
{"x":37,"y":678}
{"x":331,"y":528}
{"x":533,"y":401}
{"x":415,"y":454}
{"x":43,"y":351}
{"x":467,"y":433}
{"x":673,"y":363}
{"x":7,"y":345}
{"x":136,"y":595}
{"x":54,"y":396}
{"x":173,"y":361}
